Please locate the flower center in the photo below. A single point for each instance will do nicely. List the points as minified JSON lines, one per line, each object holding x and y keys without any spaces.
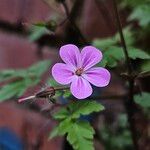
{"x":79,"y":71}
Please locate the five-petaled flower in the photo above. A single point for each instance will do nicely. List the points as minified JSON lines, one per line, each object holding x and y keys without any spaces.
{"x":78,"y":70}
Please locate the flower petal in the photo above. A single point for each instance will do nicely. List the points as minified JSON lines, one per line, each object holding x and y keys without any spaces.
{"x":70,"y":54}
{"x":98,"y":76}
{"x":62,"y":73}
{"x":80,"y":88}
{"x":90,"y":56}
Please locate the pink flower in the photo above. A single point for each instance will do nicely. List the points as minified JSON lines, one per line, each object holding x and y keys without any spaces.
{"x":78,"y":70}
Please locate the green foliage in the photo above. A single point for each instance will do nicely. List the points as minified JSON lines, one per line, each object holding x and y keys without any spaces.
{"x":39,"y":29}
{"x":117,"y":138}
{"x":145,"y":66}
{"x":11,"y":90}
{"x":79,"y":133}
{"x":80,"y":136}
{"x":143,"y":100}
{"x":140,"y":11}
{"x":36,"y":32}
{"x":113,"y":53}
{"x":76,"y":109}
{"x":142,"y":14}
{"x":19,"y":80}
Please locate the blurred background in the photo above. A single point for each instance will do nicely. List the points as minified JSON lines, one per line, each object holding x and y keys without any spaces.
{"x":31,"y":33}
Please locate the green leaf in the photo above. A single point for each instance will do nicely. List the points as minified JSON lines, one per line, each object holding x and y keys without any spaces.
{"x":128,"y":36}
{"x":84,"y":108}
{"x":37,"y":32}
{"x":65,"y":126}
{"x":24,"y":78}
{"x":145,"y":66}
{"x":66,"y":94}
{"x":115,"y":54}
{"x":76,"y":109}
{"x":79,"y":133}
{"x":141,"y":13}
{"x":138,"y":53}
{"x":62,"y":114}
{"x":39,"y":68}
{"x":12,"y":90}
{"x":80,"y":136}
{"x":9,"y":74}
{"x":54,"y":132}
{"x":143,"y":100}
{"x":104,"y":43}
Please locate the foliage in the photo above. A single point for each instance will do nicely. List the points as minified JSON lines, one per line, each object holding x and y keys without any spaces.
{"x":19,"y":80}
{"x":39,"y":29}
{"x":145,"y":66}
{"x":140,"y":11}
{"x":143,"y":100}
{"x":117,"y":138}
{"x":79,"y":133}
{"x":37,"y":32}
{"x":113,"y":53}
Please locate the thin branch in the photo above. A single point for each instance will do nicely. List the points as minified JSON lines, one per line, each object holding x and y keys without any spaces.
{"x":129,"y":103}
{"x":119,"y":25}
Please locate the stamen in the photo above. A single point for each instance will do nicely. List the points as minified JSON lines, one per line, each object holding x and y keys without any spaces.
{"x":79,"y":72}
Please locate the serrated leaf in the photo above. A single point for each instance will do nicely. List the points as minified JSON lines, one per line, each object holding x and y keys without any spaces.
{"x":65,"y":126}
{"x":143,"y":100}
{"x":80,"y":136}
{"x":84,"y":108}
{"x":76,"y":109}
{"x":79,"y":133}
{"x":62,"y":114}
{"x":62,"y":128}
